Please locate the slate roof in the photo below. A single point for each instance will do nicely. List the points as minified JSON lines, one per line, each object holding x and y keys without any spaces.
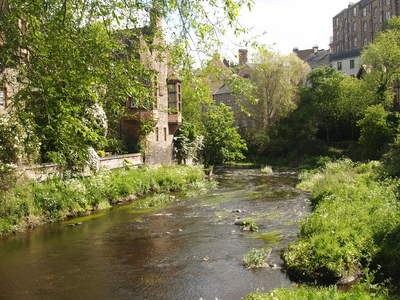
{"x":318,"y":59}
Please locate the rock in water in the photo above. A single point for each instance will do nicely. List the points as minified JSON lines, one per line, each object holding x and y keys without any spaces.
{"x":239,"y":222}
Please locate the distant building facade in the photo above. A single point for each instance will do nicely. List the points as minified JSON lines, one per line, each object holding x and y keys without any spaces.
{"x":224,"y":94}
{"x":355,"y":27}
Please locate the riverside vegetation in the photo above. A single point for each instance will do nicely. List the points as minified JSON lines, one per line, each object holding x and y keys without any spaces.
{"x":31,"y":203}
{"x":352,"y":232}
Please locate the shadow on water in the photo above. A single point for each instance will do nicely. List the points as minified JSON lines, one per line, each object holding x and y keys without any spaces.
{"x":190,"y":250}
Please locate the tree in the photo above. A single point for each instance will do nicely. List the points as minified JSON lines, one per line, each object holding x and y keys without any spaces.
{"x":382,"y":60}
{"x":276,"y":78}
{"x":73,"y":57}
{"x":222,"y":142}
{"x":376,"y":132}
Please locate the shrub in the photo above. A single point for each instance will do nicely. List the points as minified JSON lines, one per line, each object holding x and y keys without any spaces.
{"x":354,"y":212}
{"x":256,"y":258}
{"x":376,"y":132}
{"x":56,"y":199}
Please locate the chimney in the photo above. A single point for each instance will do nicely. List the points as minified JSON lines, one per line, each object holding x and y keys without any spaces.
{"x":243,"y":56}
{"x":315,"y":49}
{"x":296,"y":50}
{"x":226,"y":62}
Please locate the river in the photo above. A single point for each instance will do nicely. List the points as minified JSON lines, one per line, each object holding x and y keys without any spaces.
{"x":188,"y":251}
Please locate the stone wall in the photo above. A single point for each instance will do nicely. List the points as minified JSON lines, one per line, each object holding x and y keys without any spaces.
{"x":42,"y":172}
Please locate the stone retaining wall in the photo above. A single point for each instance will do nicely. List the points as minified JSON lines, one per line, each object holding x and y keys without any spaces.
{"x":42,"y":172}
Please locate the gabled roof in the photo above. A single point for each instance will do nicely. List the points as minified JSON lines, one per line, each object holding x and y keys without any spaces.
{"x":318,"y":59}
{"x":303,"y":54}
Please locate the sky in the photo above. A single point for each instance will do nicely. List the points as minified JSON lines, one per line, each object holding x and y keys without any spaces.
{"x":289,"y":23}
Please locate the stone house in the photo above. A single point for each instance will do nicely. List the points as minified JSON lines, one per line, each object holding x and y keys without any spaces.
{"x":224,"y":95}
{"x":165,"y":116}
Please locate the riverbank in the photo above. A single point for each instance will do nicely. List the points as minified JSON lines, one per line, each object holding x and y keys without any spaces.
{"x":31,"y":203}
{"x":353,"y":231}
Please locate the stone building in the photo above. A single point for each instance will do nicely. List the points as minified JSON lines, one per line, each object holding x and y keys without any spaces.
{"x":224,"y":94}
{"x":355,"y":27}
{"x":166,"y":114}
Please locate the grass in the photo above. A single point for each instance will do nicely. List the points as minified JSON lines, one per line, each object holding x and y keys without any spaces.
{"x":268,"y":237}
{"x":355,"y":219}
{"x":323,"y":293}
{"x":31,"y":203}
{"x":256,"y":258}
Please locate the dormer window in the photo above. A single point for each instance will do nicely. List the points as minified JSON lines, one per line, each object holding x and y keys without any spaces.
{"x":174,"y":96}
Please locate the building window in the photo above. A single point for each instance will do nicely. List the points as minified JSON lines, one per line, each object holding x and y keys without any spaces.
{"x":339,"y":65}
{"x":365,"y":26}
{"x":364,"y":12}
{"x":3,"y":95}
{"x":355,"y":11}
{"x":174,"y":97}
{"x":165,"y":134}
{"x":388,"y":15}
{"x":157,"y":134}
{"x":352,"y":66}
{"x":388,"y":2}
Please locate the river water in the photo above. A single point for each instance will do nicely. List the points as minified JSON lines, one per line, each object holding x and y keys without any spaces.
{"x":191,"y":250}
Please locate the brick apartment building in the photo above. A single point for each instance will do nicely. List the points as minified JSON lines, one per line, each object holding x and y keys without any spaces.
{"x":356,"y":27}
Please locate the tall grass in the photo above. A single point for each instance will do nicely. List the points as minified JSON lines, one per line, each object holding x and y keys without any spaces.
{"x":355,"y":214}
{"x":31,"y":203}
{"x":328,"y":293}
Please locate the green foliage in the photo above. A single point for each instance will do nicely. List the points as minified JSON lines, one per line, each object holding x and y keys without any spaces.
{"x":249,"y":225}
{"x":256,"y":258}
{"x":328,"y":110}
{"x":376,"y":131}
{"x":55,"y":199}
{"x":18,"y":145}
{"x":188,"y":142}
{"x":382,"y":58}
{"x":359,"y":292}
{"x":276,"y":78}
{"x":222,"y":142}
{"x":74,"y":65}
{"x":354,"y":213}
{"x":392,"y":158}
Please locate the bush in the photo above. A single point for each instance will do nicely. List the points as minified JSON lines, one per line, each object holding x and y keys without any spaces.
{"x":56,"y":199}
{"x":256,"y":258}
{"x":376,"y":132}
{"x":354,"y":213}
